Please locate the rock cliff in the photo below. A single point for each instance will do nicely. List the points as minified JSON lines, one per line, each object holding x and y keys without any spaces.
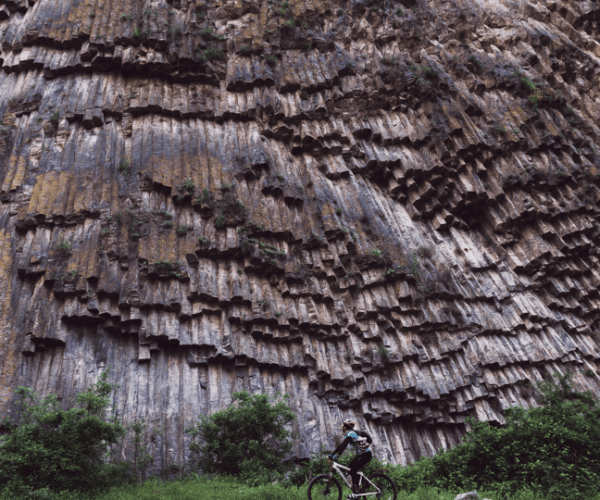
{"x":387,"y":210}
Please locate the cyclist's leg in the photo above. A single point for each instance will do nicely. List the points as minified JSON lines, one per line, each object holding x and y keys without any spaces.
{"x":358,"y":462}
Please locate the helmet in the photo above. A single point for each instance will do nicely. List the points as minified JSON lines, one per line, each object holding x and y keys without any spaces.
{"x":349,"y":423}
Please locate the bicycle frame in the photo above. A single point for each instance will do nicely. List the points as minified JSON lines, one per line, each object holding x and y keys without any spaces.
{"x":339,"y":468}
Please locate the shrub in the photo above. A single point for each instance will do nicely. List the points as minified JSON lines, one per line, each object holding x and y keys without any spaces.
{"x":212,"y":53}
{"x":188,"y":184}
{"x":54,"y":116}
{"x":424,"y":252}
{"x":249,"y":440}
{"x":376,"y":253}
{"x":383,"y":352}
{"x":553,"y":449}
{"x":246,"y":245}
{"x":61,"y":449}
{"x":204,"y":196}
{"x":64,"y":245}
{"x":125,"y":166}
{"x":163,"y":266}
{"x":220,"y":221}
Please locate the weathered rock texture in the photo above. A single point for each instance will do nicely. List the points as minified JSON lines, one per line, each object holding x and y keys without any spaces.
{"x":388,"y":211}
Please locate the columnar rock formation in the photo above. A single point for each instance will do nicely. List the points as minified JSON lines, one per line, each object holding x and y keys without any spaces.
{"x":387,"y":210}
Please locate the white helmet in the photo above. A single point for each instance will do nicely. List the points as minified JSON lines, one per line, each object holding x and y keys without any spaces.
{"x":349,"y":423}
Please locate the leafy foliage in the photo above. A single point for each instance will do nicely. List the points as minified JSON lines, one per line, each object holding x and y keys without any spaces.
{"x":125,"y":166}
{"x":553,"y":449}
{"x":61,"y":449}
{"x":64,"y":245}
{"x":250,"y":438}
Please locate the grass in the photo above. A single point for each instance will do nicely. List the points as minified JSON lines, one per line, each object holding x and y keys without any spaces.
{"x":230,"y":489}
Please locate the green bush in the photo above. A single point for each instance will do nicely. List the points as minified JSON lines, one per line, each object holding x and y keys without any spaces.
{"x":249,"y":440}
{"x":61,"y":449}
{"x":554,"y":450}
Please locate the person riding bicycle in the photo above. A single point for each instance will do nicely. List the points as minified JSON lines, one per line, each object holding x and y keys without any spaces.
{"x":363,"y":453}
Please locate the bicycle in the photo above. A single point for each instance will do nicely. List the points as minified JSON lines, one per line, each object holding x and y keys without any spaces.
{"x":325,"y":486}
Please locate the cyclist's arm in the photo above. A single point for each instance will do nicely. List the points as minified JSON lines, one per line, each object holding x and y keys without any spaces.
{"x":342,"y":446}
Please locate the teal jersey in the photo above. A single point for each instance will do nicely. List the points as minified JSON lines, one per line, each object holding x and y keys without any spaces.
{"x":361,"y":445}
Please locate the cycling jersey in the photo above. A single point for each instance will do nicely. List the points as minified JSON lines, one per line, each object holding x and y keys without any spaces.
{"x":360,"y":444}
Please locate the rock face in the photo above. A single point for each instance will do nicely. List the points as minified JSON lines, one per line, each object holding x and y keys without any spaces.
{"x":388,"y":211}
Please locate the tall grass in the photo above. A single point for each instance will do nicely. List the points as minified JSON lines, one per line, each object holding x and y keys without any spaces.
{"x":222,"y":488}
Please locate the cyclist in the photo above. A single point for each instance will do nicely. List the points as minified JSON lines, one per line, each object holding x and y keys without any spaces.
{"x":363,"y":453}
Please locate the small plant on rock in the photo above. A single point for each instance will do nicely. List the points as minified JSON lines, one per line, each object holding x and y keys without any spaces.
{"x":125,"y":166}
{"x":64,"y":246}
{"x":424,"y":252}
{"x":204,"y":197}
{"x":188,"y":184}
{"x":220,"y":221}
{"x":383,"y":352}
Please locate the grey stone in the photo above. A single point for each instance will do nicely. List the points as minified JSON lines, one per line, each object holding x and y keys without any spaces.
{"x":472,"y":495}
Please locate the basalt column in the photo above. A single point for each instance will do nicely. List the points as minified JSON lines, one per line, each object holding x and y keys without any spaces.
{"x":387,"y":210}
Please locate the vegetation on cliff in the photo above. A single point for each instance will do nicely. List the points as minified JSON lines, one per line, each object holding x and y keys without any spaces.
{"x":553,"y":449}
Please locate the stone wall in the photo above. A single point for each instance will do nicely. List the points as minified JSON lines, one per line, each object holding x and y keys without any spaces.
{"x":388,"y":211}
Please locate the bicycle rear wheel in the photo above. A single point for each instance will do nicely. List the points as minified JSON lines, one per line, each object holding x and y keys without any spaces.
{"x":385,"y":485}
{"x":324,"y":488}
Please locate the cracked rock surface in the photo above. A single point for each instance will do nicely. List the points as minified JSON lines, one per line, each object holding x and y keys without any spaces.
{"x":387,"y":210}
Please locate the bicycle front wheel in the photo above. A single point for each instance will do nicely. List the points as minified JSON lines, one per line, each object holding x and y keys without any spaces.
{"x":385,"y":487}
{"x":324,"y":488}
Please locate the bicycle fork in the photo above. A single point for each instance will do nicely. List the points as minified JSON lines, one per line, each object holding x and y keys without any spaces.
{"x":327,"y":490}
